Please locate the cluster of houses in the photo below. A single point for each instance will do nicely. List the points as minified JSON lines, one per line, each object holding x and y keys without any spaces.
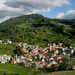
{"x":41,"y":56}
{"x":8,"y":42}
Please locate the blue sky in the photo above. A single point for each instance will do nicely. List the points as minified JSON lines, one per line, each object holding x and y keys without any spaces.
{"x":61,"y":9}
{"x":1,"y":21}
{"x":54,"y":11}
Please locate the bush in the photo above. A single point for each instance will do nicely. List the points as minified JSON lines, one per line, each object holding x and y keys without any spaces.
{"x":50,"y":69}
{"x":66,"y":64}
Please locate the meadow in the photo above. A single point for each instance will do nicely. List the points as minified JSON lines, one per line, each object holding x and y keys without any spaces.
{"x":11,"y":69}
{"x":59,"y":73}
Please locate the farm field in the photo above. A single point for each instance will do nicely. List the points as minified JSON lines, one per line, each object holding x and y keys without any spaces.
{"x":59,"y":73}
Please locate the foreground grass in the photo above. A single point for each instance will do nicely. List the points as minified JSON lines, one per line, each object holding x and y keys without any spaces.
{"x":59,"y":73}
{"x":10,"y":69}
{"x":15,"y":69}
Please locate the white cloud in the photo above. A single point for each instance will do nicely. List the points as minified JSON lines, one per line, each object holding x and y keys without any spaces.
{"x":69,"y":15}
{"x":60,"y":15}
{"x":12,"y":8}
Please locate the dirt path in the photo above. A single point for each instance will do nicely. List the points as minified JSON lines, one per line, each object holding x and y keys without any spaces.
{"x":4,"y":70}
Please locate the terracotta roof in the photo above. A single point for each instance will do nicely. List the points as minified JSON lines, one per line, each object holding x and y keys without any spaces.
{"x":60,"y":43}
{"x":57,"y":56}
{"x":46,"y":50}
{"x":56,"y":65}
{"x":0,"y":42}
{"x":46,"y":64}
{"x":5,"y":43}
{"x":46,"y":58}
{"x":12,"y":61}
{"x":37,"y":62}
{"x":46,"y":47}
{"x":33,"y":55}
{"x":33,"y":52}
{"x":53,"y":48}
{"x":42,"y":63}
{"x":73,"y":64}
{"x":39,"y":48}
{"x":26,"y":54}
{"x":56,"y":49}
{"x":22,"y":50}
{"x":42,"y":55}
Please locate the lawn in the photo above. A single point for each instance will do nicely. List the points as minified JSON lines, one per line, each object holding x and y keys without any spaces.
{"x":10,"y":68}
{"x":59,"y":73}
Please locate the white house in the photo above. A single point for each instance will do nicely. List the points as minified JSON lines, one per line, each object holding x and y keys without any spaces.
{"x":9,"y":42}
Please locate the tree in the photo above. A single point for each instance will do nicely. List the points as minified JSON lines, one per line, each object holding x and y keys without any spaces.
{"x":33,"y":58}
{"x":65,"y":63}
{"x":62,"y":28}
{"x":63,"y":66}
{"x":34,"y":67}
{"x":52,"y":68}
{"x":74,"y":53}
{"x":38,"y":57}
{"x":18,"y":51}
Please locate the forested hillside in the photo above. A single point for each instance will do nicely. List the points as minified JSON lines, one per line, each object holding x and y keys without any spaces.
{"x":38,"y":30}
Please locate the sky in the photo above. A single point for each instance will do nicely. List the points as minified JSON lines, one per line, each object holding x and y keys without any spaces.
{"x":59,"y":9}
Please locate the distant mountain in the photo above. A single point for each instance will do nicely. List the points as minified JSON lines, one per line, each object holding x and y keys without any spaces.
{"x":67,"y":22}
{"x":36,"y":29}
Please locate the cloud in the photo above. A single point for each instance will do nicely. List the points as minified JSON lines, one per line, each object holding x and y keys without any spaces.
{"x":60,"y":15}
{"x":69,"y":15}
{"x":13,"y":8}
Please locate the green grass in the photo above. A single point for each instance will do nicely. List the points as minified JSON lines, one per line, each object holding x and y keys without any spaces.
{"x":10,"y":68}
{"x":73,"y":44}
{"x":73,"y":61}
{"x":7,"y":49}
{"x":4,"y":73}
{"x":59,"y":73}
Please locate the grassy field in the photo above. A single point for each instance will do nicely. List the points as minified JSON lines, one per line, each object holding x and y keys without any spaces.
{"x":7,"y":49}
{"x":59,"y":73}
{"x":10,"y":68}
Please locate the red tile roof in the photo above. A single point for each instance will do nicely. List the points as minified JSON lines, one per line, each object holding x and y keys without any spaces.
{"x":46,"y":64}
{"x":12,"y":61}
{"x":42,"y":63}
{"x":53,"y":48}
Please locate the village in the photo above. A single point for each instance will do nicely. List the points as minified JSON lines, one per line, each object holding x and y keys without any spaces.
{"x":41,"y":56}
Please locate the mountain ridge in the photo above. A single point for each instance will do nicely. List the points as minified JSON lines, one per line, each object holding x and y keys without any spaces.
{"x":38,"y":30}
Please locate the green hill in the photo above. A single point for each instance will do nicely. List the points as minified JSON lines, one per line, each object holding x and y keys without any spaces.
{"x":36,"y":29}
